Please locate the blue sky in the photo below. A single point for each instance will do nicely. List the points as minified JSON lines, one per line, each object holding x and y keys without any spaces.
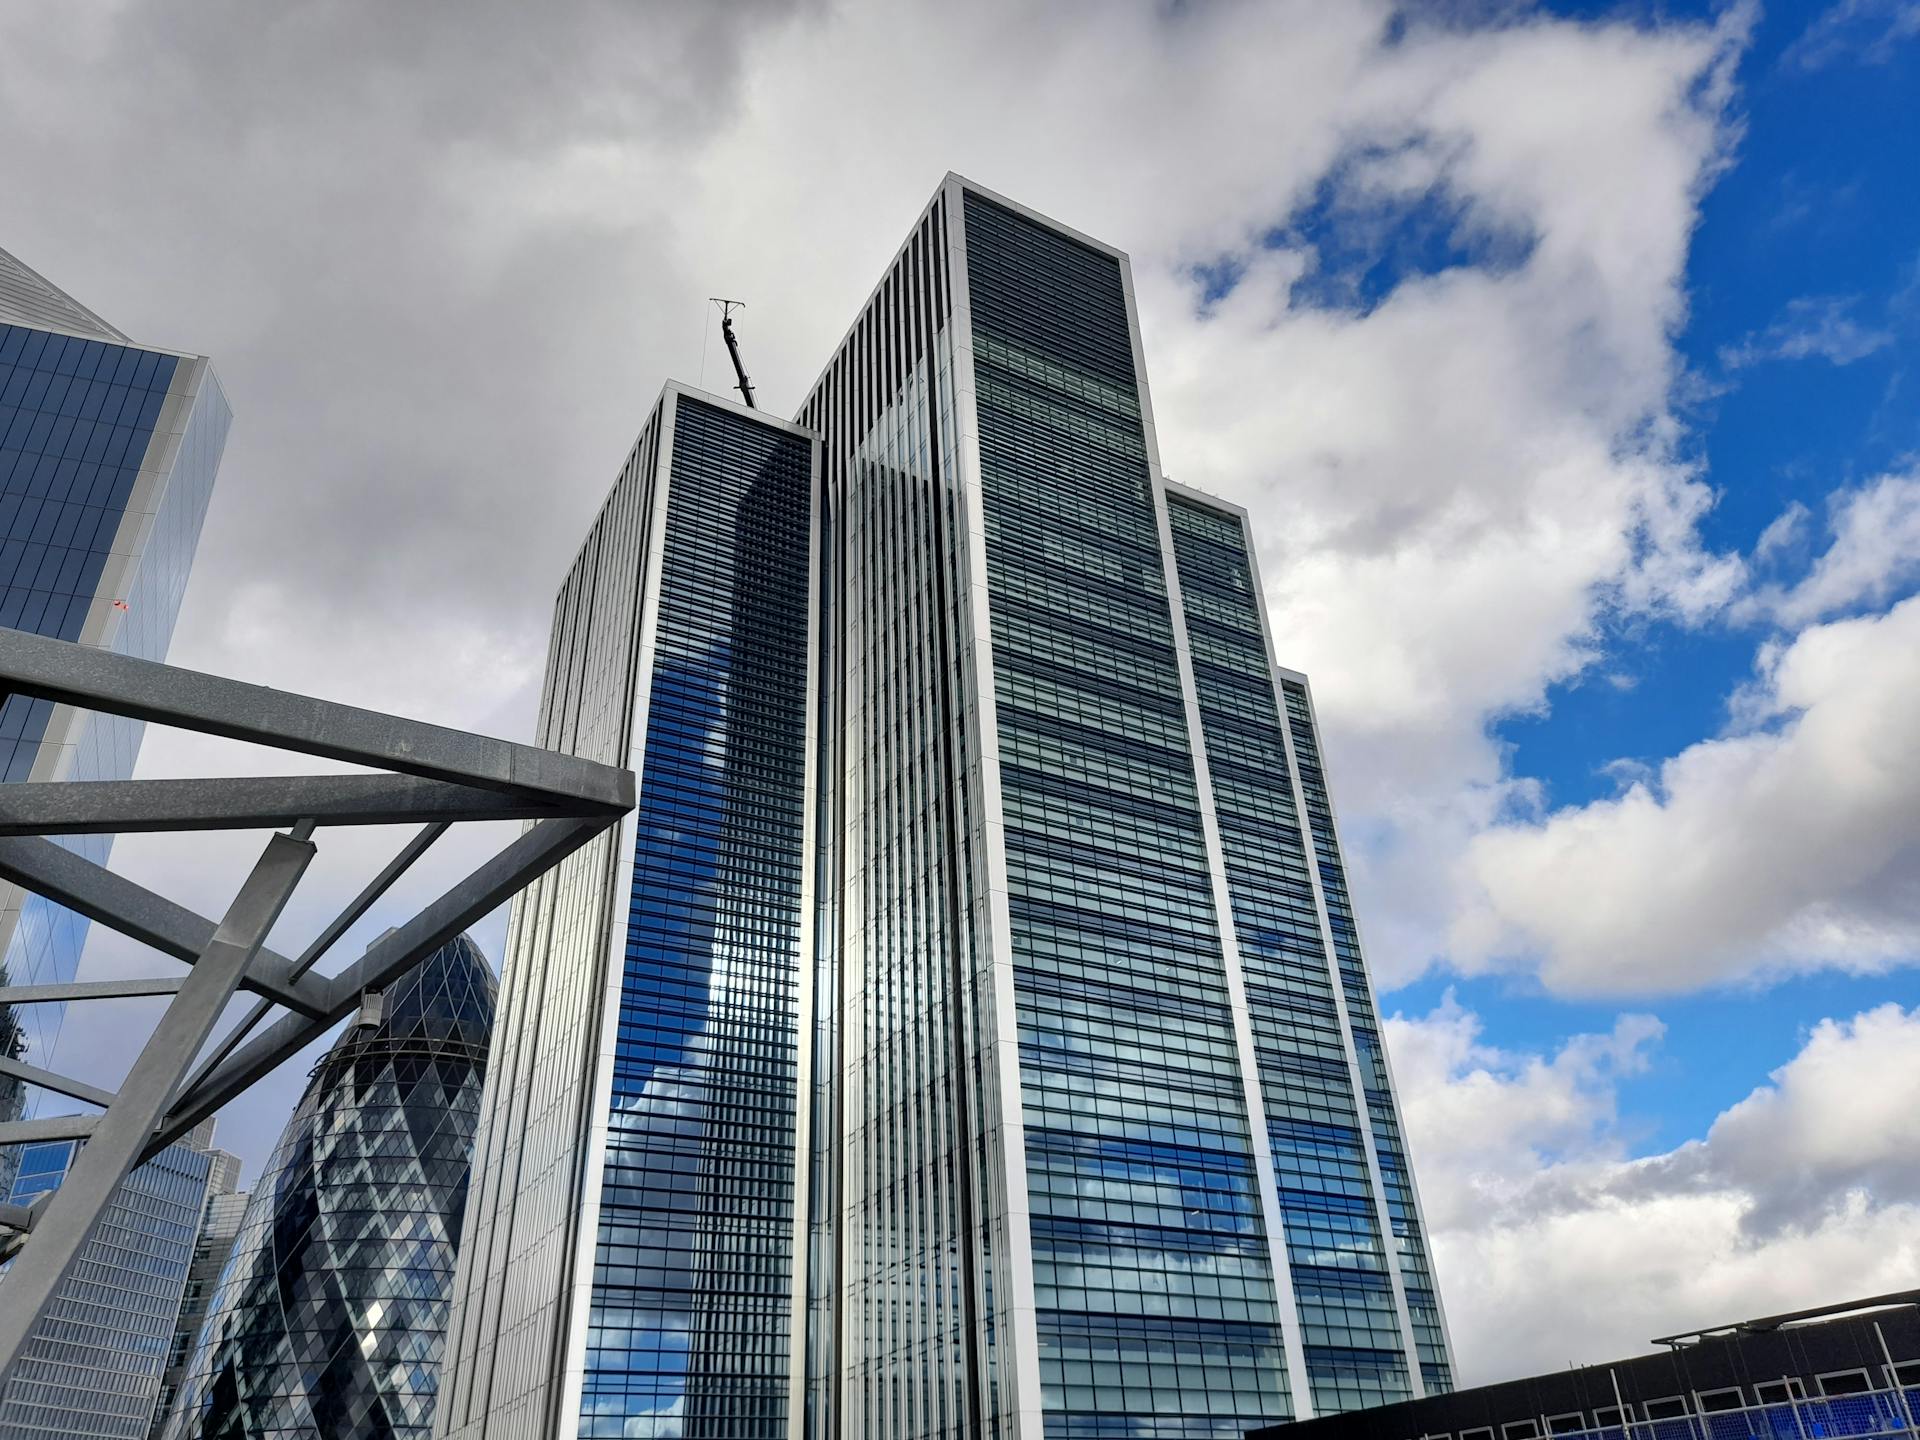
{"x":1821,"y":199}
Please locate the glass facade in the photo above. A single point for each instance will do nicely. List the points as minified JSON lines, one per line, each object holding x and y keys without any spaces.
{"x":92,"y":1366}
{"x":329,"y":1318}
{"x":1309,"y":1021}
{"x":219,"y":1228}
{"x":654,"y":983}
{"x":1420,"y":1298}
{"x":108,"y":452}
{"x":693,"y":1268}
{"x":907,"y":1255}
{"x":1152,"y":1282}
{"x":1058,"y":1109}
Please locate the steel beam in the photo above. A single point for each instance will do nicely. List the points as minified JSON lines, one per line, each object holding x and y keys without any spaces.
{"x":59,"y":1084}
{"x":47,"y":1127}
{"x":94,"y":679}
{"x":438,"y":777}
{"x":87,"y":990}
{"x":364,"y":901}
{"x":18,"y":1217}
{"x":341,"y":923}
{"x":122,"y":1134}
{"x":533,"y":853}
{"x":16,"y":1223}
{"x":99,"y":894}
{"x":255,"y":802}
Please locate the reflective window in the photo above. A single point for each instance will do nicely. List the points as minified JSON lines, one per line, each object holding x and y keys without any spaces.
{"x":693,"y":1268}
{"x":1151,"y":1270}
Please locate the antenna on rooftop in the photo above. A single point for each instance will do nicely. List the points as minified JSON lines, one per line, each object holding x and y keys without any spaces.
{"x":727,"y":307}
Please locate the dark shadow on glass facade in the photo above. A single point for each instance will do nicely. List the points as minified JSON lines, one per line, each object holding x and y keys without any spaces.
{"x":692,"y":1284}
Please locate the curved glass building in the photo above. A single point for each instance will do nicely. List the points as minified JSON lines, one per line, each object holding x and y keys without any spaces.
{"x":330,"y":1315}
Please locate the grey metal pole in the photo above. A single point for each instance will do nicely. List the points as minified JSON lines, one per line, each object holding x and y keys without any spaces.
{"x":1893,"y":1379}
{"x":1626,"y":1420}
{"x":142,"y":1100}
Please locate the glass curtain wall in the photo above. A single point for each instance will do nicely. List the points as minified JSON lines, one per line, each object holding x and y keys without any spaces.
{"x":93,"y":1364}
{"x":693,"y":1270}
{"x":328,"y":1320}
{"x":1363,"y":1024}
{"x":1337,"y":1252}
{"x":905,"y":1266}
{"x":1152,"y":1279}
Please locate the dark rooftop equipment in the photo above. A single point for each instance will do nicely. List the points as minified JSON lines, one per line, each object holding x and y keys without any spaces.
{"x":727,"y":307}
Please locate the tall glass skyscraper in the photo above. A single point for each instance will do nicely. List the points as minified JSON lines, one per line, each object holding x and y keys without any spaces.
{"x":220,"y":1221}
{"x":1057,"y":1105}
{"x":628,"y":1255}
{"x":93,"y":1365}
{"x":108,"y":452}
{"x":328,"y":1318}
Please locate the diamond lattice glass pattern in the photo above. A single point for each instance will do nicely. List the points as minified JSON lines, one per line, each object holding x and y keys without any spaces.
{"x":330,"y":1316}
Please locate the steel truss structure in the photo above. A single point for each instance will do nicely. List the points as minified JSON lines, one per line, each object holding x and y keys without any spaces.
{"x":430,"y":776}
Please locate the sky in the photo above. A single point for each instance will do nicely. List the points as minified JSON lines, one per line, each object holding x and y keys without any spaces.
{"x":1564,"y":353}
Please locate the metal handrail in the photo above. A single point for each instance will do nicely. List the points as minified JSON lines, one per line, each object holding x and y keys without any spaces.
{"x":1859,"y":1416}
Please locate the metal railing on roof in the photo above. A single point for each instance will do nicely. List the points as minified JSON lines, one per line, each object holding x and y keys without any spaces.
{"x":1829,"y":1417}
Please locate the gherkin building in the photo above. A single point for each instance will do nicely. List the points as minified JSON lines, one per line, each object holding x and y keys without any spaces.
{"x":330,"y":1317}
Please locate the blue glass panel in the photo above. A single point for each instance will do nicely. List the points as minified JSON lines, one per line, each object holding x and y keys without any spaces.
{"x":692,"y":1272}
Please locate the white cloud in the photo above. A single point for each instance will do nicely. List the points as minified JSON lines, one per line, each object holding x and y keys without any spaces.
{"x":1782,"y":531}
{"x":1862,"y":30}
{"x":1875,"y":550}
{"x":1791,"y":842}
{"x":1553,"y":1243}
{"x":443,"y":287}
{"x":1812,"y":327}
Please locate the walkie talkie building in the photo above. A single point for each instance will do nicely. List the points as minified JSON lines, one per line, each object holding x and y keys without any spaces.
{"x":969,"y":1035}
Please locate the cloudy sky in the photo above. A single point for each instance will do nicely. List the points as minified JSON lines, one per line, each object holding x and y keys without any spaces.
{"x":1565,"y":354}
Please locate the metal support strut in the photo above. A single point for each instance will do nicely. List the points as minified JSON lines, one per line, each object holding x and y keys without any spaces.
{"x":432,"y":778}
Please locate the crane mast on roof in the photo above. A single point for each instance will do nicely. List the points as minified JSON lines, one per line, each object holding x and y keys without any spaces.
{"x":727,"y":307}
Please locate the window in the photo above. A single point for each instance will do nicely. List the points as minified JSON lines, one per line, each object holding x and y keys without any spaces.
{"x":1845,"y":1382}
{"x":1906,"y":1372}
{"x":1672,"y":1407}
{"x":1609,"y":1417}
{"x":1520,"y":1430}
{"x":1714,"y":1401}
{"x":1484,"y":1433}
{"x":1779,"y":1392}
{"x":1571,"y":1424}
